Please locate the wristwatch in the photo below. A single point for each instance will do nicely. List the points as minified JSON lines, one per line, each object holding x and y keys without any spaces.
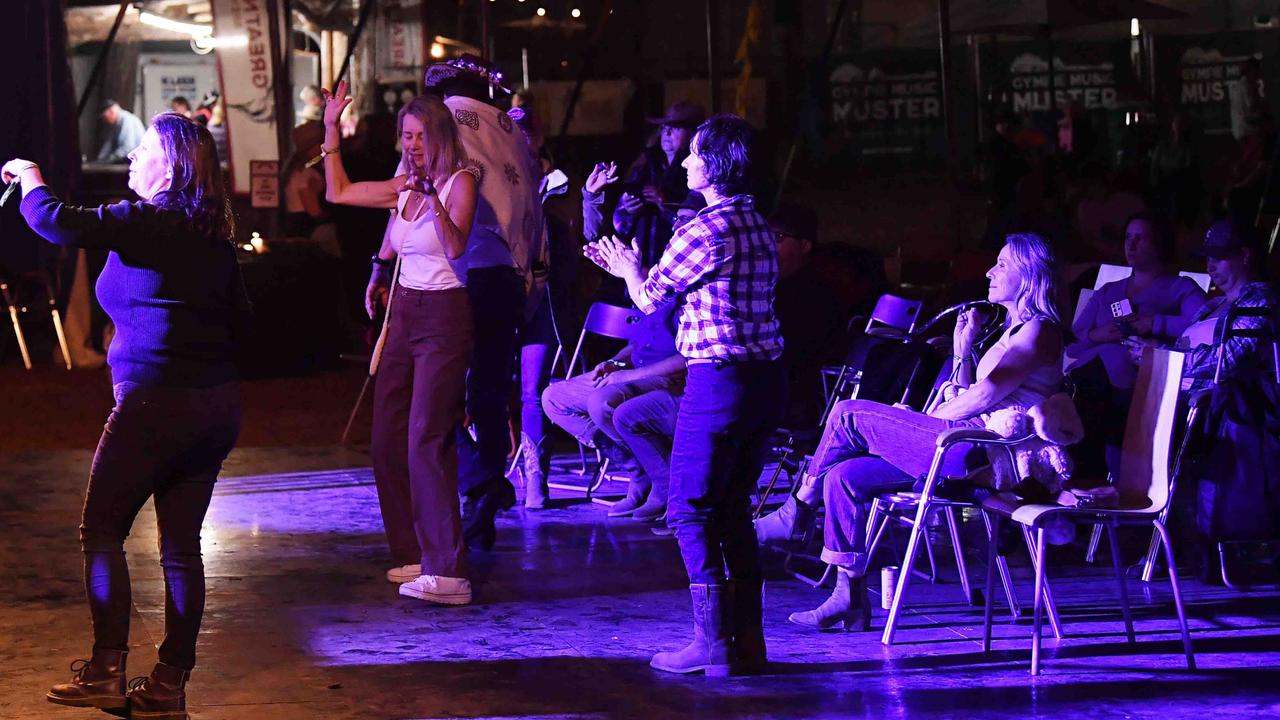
{"x":381,"y":262}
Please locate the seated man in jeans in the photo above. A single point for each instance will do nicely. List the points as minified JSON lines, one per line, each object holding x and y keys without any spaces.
{"x":629,"y":402}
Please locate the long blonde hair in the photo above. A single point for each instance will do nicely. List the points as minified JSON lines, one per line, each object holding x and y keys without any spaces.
{"x":1037,"y":268}
{"x":442,"y":148}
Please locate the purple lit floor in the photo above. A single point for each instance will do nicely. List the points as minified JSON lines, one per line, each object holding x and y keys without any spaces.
{"x":569,"y":607}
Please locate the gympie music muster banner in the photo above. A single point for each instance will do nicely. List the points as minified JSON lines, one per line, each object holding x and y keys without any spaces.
{"x":244,"y":49}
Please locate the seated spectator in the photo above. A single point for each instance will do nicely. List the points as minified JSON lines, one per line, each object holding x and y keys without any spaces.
{"x":868,"y":447}
{"x":645,"y":213}
{"x":1161,"y":306}
{"x":1162,"y":303}
{"x":1235,"y":464}
{"x":809,"y":313}
{"x":626,"y":407}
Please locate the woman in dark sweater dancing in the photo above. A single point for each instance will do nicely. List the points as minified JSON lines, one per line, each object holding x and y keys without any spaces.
{"x":172,"y":286}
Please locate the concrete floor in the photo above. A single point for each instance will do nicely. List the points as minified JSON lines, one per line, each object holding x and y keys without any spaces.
{"x":569,"y":607}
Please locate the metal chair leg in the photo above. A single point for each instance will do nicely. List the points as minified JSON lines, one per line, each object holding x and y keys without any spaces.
{"x":1055,"y":623}
{"x":1124,"y":591}
{"x":913,"y":545}
{"x":954,"y":529}
{"x":928,"y":551}
{"x":877,"y":521}
{"x":1151,"y":560}
{"x":1094,"y":538}
{"x":346,"y":431}
{"x":1002,"y":566}
{"x":57,"y":323}
{"x":17,"y":326}
{"x":1037,"y":612}
{"x":1177,"y":594}
{"x":989,"y":599}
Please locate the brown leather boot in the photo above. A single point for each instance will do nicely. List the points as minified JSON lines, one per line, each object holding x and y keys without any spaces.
{"x":161,"y":695}
{"x":99,"y":682}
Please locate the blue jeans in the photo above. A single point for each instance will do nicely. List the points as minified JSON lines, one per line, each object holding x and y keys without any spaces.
{"x":869,"y":448}
{"x":725,"y":418}
{"x":646,"y":424}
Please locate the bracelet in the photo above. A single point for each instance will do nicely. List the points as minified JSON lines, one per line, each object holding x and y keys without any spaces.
{"x":381,"y":262}
{"x":326,"y":153}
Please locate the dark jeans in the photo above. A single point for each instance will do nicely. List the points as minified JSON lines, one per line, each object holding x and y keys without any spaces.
{"x":168,"y":443}
{"x":417,"y":405}
{"x":497,"y":307}
{"x":646,"y":424}
{"x":726,"y":415}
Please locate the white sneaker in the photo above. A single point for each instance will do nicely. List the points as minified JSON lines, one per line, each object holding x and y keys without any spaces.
{"x":404,"y":574}
{"x":438,"y":589}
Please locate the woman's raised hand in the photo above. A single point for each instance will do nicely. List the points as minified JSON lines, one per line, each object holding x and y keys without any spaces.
{"x":335,"y":103}
{"x":13,"y":169}
{"x":603,"y":174}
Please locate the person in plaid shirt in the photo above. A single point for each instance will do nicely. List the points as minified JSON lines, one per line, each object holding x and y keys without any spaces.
{"x":721,"y":269}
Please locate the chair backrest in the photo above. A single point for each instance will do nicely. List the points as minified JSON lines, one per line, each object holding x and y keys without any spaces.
{"x":607,"y":321}
{"x":1148,"y":434}
{"x":894,"y":312}
{"x":1111,"y":273}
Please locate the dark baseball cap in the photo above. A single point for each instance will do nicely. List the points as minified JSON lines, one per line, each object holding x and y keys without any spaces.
{"x":795,"y":220}
{"x":1225,"y":238}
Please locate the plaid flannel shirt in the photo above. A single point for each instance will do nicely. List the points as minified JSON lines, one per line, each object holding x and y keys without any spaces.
{"x":1241,"y":355}
{"x":721,"y":267}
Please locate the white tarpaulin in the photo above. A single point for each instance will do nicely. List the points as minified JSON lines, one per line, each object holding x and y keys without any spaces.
{"x":242,"y":29}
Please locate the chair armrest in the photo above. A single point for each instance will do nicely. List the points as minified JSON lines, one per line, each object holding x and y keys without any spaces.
{"x":977,"y":436}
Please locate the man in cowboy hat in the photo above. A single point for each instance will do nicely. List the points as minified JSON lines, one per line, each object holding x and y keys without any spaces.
{"x":499,"y":273}
{"x":657,"y":182}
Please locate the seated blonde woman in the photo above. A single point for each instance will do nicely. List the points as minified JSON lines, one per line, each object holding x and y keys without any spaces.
{"x":868,"y":448}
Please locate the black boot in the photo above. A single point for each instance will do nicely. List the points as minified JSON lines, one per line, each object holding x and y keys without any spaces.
{"x":161,"y":695}
{"x":711,"y":650}
{"x":98,"y":682}
{"x":747,"y":601}
{"x":478,"y":529}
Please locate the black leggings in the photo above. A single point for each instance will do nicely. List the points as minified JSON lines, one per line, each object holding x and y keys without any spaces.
{"x":170,"y":443}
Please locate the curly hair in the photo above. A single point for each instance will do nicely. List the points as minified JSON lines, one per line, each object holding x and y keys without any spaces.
{"x":723,"y":144}
{"x":196,"y":188}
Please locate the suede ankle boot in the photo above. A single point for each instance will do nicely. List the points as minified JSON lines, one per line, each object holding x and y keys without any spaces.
{"x":160,"y":696}
{"x":781,"y":525}
{"x":747,"y":611}
{"x":655,"y":506}
{"x":842,"y":607}
{"x":711,"y":650}
{"x":535,"y":475}
{"x":98,"y":682}
{"x":637,"y":490}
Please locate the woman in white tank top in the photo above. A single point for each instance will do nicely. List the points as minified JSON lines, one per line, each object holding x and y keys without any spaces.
{"x":869,"y":448}
{"x":422,"y":355}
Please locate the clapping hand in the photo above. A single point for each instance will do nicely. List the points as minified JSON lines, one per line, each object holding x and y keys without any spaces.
{"x":335,"y":103}
{"x":603,"y":174}
{"x":614,"y":256}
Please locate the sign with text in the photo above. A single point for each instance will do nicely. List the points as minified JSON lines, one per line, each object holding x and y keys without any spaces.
{"x":161,"y":83}
{"x":398,"y":47}
{"x":264,"y":176}
{"x":244,"y":52}
{"x":1085,"y":75}
{"x":1204,"y":75}
{"x":887,"y":105}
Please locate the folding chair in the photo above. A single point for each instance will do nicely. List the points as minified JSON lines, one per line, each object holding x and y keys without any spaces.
{"x":892,"y":316}
{"x":608,"y":321}
{"x":1110,"y":273}
{"x":1143,"y":485}
{"x":16,"y":310}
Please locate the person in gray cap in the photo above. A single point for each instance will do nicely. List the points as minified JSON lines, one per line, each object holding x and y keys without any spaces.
{"x":121,"y":132}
